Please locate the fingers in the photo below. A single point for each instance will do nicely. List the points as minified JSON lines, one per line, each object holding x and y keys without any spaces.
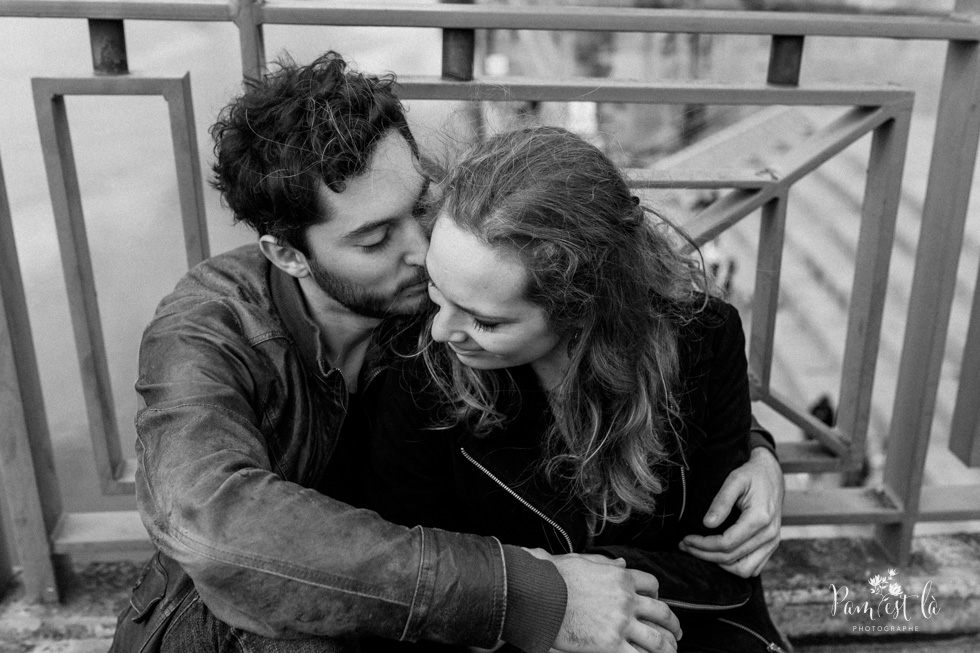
{"x":652,"y":639}
{"x":735,"y":485}
{"x":732,"y":544}
{"x":719,"y":548}
{"x":752,"y":564}
{"x":644,"y":583}
{"x":656,"y":629}
{"x":658,"y":613}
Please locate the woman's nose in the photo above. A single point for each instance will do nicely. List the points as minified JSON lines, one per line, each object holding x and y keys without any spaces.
{"x":443,"y":328}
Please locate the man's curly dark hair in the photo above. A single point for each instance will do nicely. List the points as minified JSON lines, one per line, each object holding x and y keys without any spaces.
{"x":296,"y":128}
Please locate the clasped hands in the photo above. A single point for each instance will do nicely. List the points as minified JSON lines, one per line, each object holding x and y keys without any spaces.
{"x":610,"y":608}
{"x":614,"y":609}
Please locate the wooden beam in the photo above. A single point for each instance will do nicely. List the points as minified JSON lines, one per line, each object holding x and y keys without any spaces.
{"x":611,"y":19}
{"x":214,"y":10}
{"x":717,"y":178}
{"x":949,"y":503}
{"x":190,"y":187}
{"x":26,"y":459}
{"x":951,"y":169}
{"x":108,"y":41}
{"x":765,"y":298}
{"x":808,"y":457}
{"x":839,"y":506}
{"x":879,"y":211}
{"x":616,"y":19}
{"x":508,"y":89}
{"x":785,"y":59}
{"x":828,"y":436}
{"x":251,"y":38}
{"x":97,"y":532}
{"x":126,"y":474}
{"x":964,"y":433}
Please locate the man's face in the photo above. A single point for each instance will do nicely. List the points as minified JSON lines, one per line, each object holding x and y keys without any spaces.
{"x":369,"y":255}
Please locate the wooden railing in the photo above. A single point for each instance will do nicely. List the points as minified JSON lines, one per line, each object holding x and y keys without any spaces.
{"x":44,"y":532}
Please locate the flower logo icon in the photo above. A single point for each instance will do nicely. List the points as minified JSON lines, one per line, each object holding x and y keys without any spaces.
{"x":886,"y":586}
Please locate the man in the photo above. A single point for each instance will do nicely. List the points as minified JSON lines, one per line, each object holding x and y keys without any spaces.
{"x":258,"y":375}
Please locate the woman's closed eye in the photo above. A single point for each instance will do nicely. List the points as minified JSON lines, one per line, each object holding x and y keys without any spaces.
{"x":485,"y":326}
{"x":478,"y":324}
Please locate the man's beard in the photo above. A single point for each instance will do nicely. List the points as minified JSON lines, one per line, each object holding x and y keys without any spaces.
{"x":363,"y":302}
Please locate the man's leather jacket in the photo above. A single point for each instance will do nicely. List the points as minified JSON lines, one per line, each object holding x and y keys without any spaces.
{"x":233,"y":382}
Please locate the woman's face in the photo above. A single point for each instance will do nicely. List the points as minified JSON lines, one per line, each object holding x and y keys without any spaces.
{"x":483,"y":315}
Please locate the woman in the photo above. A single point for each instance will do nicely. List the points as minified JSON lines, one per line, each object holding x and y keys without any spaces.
{"x":593,"y":396}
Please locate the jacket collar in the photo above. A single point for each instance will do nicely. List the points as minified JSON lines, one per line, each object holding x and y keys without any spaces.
{"x":307,"y":334}
{"x":304,"y":331}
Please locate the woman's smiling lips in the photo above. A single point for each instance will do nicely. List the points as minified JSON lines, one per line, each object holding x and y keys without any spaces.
{"x":464,"y":352}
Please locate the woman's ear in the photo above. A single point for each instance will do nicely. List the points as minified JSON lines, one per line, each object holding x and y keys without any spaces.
{"x":285,"y":257}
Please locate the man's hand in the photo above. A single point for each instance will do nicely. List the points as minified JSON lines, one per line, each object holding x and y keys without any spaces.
{"x":611,"y":609}
{"x":757,"y":488}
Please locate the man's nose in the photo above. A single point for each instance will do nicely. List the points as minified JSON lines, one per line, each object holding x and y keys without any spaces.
{"x":416,"y":245}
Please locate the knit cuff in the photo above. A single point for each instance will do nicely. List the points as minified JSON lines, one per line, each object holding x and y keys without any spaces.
{"x":760,"y":437}
{"x":536,"y":598}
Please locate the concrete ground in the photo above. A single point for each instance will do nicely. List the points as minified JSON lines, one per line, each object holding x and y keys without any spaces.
{"x":800,"y":582}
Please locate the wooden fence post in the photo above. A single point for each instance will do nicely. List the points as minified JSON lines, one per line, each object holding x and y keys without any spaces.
{"x":250,"y":37}
{"x":30,"y":483}
{"x":954,"y":153}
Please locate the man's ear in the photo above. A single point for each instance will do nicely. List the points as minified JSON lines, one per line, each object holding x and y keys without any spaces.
{"x":285,"y":257}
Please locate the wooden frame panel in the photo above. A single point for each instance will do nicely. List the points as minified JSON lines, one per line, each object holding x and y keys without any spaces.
{"x":49,"y":93}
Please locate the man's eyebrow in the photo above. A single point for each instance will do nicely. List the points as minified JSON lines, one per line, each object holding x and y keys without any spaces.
{"x":474,"y":312}
{"x":365,"y":229}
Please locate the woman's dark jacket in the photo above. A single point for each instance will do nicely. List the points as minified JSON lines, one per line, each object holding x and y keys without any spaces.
{"x":493,"y":485}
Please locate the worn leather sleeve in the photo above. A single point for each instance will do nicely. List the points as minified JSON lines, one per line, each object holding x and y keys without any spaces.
{"x":412,"y":482}
{"x":269,"y":555}
{"x":721,"y":418}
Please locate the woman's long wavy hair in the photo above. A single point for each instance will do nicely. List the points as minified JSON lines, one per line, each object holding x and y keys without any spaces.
{"x":611,"y":280}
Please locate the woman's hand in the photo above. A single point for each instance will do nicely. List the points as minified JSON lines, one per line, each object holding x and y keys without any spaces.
{"x":757,"y":488}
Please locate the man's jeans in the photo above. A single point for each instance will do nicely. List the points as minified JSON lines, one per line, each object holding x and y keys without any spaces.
{"x":194,"y":628}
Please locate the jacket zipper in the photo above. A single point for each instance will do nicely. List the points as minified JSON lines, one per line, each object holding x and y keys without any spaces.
{"x":770,"y":646}
{"x":373,"y":376}
{"x":506,"y":488}
{"x":702,"y":606}
{"x":683,"y":494}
